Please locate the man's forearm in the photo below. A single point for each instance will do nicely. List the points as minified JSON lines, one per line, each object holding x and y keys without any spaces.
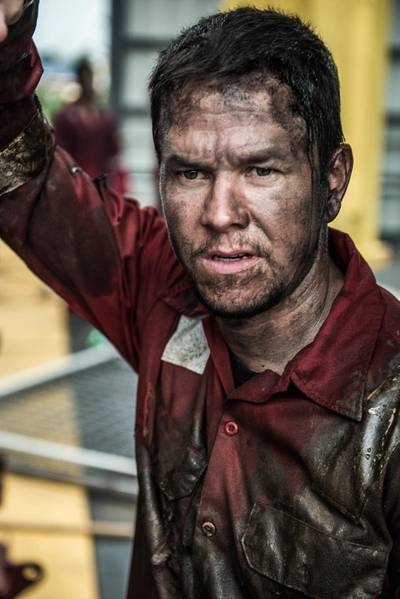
{"x":20,"y":72}
{"x":26,"y":156}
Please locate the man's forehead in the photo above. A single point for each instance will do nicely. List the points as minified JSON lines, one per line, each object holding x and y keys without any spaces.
{"x":258,"y":98}
{"x":237,"y":102}
{"x":251,"y":101}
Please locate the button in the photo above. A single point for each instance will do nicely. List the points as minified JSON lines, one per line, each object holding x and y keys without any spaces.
{"x":231,"y":428}
{"x":208,"y":529}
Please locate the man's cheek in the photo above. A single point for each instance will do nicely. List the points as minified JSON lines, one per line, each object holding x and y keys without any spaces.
{"x":178,"y":233}
{"x":171,"y":212}
{"x":180,"y":214}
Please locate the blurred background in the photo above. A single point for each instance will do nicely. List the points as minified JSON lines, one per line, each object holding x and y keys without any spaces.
{"x":66,"y":397}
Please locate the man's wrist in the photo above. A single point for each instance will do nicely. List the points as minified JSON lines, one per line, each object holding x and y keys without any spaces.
{"x":18,"y":43}
{"x":20,"y":72}
{"x":27,"y":155}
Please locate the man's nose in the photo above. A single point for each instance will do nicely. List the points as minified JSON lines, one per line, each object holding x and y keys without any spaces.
{"x":225,"y":207}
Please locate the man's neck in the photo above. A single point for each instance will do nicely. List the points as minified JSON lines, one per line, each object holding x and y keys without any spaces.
{"x":271,"y":339}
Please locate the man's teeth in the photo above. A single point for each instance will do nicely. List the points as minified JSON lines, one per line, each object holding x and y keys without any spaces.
{"x":231,"y":258}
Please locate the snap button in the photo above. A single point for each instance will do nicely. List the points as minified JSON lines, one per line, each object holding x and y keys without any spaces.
{"x":231,"y":428}
{"x":208,"y":529}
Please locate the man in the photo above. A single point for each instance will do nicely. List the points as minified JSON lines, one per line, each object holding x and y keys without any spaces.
{"x":88,"y":131}
{"x":267,"y":429}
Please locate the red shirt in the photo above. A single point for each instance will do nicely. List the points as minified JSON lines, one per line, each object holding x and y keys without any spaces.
{"x":285,"y":486}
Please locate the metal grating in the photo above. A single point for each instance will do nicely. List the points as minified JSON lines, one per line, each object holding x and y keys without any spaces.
{"x":91,"y":409}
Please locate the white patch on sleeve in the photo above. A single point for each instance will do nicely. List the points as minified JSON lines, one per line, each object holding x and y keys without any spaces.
{"x":188,"y":346}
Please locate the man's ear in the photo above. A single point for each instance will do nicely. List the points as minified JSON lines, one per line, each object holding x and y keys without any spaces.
{"x":338,"y":178}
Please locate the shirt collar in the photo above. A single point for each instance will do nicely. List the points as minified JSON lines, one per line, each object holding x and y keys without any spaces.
{"x":332,"y":371}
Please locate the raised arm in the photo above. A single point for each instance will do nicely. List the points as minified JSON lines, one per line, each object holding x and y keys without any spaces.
{"x":90,"y":245}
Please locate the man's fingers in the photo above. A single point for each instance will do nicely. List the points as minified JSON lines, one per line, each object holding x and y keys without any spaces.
{"x":10,"y":12}
{"x":3,"y":26}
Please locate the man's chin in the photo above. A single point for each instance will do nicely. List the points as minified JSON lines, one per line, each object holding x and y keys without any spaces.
{"x":235,"y":308}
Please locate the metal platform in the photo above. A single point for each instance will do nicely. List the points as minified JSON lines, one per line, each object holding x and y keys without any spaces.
{"x":72,"y":419}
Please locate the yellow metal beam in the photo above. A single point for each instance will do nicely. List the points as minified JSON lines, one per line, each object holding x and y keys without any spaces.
{"x":32,"y":318}
{"x":357,"y":33}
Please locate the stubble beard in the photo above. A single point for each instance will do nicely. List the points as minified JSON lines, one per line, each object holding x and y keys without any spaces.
{"x":234,"y":296}
{"x":217,"y":305}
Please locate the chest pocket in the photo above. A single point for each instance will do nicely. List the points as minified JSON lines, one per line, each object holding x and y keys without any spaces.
{"x":302,"y":558}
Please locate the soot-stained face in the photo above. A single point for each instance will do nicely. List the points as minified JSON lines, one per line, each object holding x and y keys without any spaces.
{"x":237,"y":188}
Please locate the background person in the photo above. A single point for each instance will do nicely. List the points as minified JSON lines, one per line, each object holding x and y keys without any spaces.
{"x":89,"y":131}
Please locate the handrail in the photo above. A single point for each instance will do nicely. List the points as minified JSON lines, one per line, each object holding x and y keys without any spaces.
{"x":56,"y":369}
{"x":70,"y":454}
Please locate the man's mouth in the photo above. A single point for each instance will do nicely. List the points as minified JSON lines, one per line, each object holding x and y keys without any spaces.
{"x":229,"y":262}
{"x":231,"y":258}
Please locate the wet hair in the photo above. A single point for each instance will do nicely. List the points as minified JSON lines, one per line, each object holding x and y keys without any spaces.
{"x":228,"y":47}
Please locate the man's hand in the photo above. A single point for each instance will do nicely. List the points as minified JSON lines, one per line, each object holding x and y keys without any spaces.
{"x":10,"y":12}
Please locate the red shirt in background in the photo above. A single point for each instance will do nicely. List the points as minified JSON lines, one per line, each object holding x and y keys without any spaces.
{"x":89,"y":133}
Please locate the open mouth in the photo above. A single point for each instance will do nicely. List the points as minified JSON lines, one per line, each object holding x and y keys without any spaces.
{"x":231,"y":258}
{"x":226,"y":263}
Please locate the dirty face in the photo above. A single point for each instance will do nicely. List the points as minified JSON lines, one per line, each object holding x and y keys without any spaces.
{"x":238,"y":195}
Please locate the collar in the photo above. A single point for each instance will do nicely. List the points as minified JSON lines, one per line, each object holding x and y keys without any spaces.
{"x":332,"y":371}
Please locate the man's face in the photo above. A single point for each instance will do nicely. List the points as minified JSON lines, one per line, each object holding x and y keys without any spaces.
{"x":237,"y":192}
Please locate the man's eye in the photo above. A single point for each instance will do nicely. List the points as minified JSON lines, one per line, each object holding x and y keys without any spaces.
{"x":262,"y":172}
{"x":190,"y":175}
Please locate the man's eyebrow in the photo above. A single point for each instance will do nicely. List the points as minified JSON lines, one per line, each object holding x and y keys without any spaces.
{"x":175,"y":160}
{"x":262,"y":155}
{"x":238,"y":158}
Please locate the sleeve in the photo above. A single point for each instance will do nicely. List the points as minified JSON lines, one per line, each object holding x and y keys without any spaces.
{"x":101,"y":252}
{"x":392,"y":514}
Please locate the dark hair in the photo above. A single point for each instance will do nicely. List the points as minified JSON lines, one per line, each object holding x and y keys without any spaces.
{"x":231,"y":45}
{"x":81,"y":66}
